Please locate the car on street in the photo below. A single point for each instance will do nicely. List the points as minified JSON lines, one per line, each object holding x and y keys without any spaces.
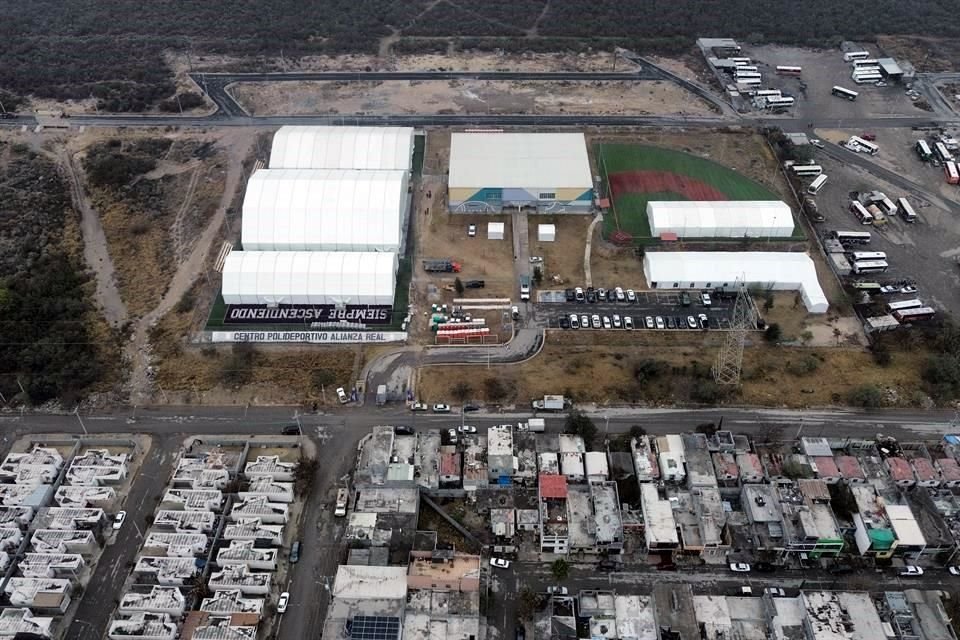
{"x":691,"y":322}
{"x":617,"y":324}
{"x":295,"y":552}
{"x":584,"y":321}
{"x":441,"y":408}
{"x":775,"y":592}
{"x":403,"y":430}
{"x":342,"y":396}
{"x":764,"y":567}
{"x":628,"y":323}
{"x":660,"y":323}
{"x":471,"y":230}
{"x":452,"y":436}
{"x":840,"y":569}
{"x":570,"y":295}
{"x":705,"y":299}
{"x":283,"y":602}
{"x":869,"y":136}
{"x":578,"y":294}
{"x":954,"y":570}
{"x":704,"y":321}
{"x":606,"y":322}
{"x":118,"y":519}
{"x":889,"y":288}
{"x":817,"y":143}
{"x":467,"y":408}
{"x":649,"y":322}
{"x":574,"y":321}
{"x":740,"y":567}
{"x":500,"y":563}
{"x":670,"y":323}
{"x":911,"y":571}
{"x":608,"y":565}
{"x":621,"y":296}
{"x":631,"y":295}
{"x":291,"y":430}
{"x":419,"y":406}
{"x":466,"y":428}
{"x":595,"y":321}
{"x":557,"y":591}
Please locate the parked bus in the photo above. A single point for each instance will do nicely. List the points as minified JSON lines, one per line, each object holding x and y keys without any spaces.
{"x":844,"y":93}
{"x":862,"y":71}
{"x":866,"y":145}
{"x":850,"y":56}
{"x":870,"y":79}
{"x":852,"y":237}
{"x":864,"y":216}
{"x":807,"y":169}
{"x":865,"y":62}
{"x":864,"y":256}
{"x":739,"y":61}
{"x":867,"y":286}
{"x":872,"y":266}
{"x":749,"y":81}
{"x":740,"y":68}
{"x":767,"y":93}
{"x":923,"y":150}
{"x":951,"y":172}
{"x":906,"y":210}
{"x":817,"y":184}
{"x":789,"y":71}
{"x":904,"y":304}
{"x":912,"y":315}
{"x":779,"y":101}
{"x":343,"y":495}
{"x":747,"y":74}
{"x":942,"y":153}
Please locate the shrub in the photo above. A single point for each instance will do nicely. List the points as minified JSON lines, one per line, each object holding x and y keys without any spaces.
{"x":804,"y":366}
{"x":773,"y":333}
{"x":868,"y":396}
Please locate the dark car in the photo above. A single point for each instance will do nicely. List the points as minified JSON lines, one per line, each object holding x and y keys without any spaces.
{"x":764,"y":567}
{"x":474,"y":284}
{"x":564,"y":322}
{"x":685,"y":299}
{"x":591,"y":295}
{"x":467,"y":408}
{"x":840,"y":569}
{"x":291,"y":430}
{"x":608,"y":565}
{"x":295,"y":552}
{"x":570,"y":294}
{"x":670,"y":323}
{"x":403,"y":430}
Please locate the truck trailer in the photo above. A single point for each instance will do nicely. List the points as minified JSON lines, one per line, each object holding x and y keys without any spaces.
{"x":441,"y":266}
{"x":550,"y":403}
{"x":534,"y":425}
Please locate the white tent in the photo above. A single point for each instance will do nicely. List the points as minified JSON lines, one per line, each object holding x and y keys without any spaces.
{"x":720,"y":219}
{"x":495,"y":230}
{"x":302,"y":147}
{"x":546,"y":232}
{"x":711,"y":269}
{"x":324,"y":210}
{"x":305,"y":277}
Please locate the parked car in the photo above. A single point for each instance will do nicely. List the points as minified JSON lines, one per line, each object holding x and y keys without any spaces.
{"x":466,"y":428}
{"x":628,"y":323}
{"x":500,"y":563}
{"x":467,"y":408}
{"x":704,"y":321}
{"x":471,"y":230}
{"x":291,"y":430}
{"x":441,"y":408}
{"x":584,"y":321}
{"x":660,"y":323}
{"x":606,"y":322}
{"x":570,"y":295}
{"x":118,"y":519}
{"x":574,"y":321}
{"x":691,"y":322}
{"x":474,"y":284}
{"x":840,"y":569}
{"x":342,"y":396}
{"x":419,"y":406}
{"x":869,"y":136}
{"x":621,"y":296}
{"x":578,"y":295}
{"x":515,"y":312}
{"x":911,"y":571}
{"x":591,"y":295}
{"x":705,"y":299}
{"x":617,"y":324}
{"x":775,"y":592}
{"x":817,"y":143}
{"x":295,"y":552}
{"x":649,"y":322}
{"x":403,"y":430}
{"x":608,"y":565}
{"x":283,"y":602}
{"x":631,"y":295}
{"x":764,"y":567}
{"x":601,"y":294}
{"x":595,"y":321}
{"x":954,"y":570}
{"x":670,"y":323}
{"x":740,"y":567}
{"x":908,"y":288}
{"x":685,"y":299}
{"x":557,"y":591}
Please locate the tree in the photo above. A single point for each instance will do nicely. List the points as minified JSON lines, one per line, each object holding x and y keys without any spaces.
{"x":768,"y":301}
{"x":529,"y":602}
{"x":881,"y":354}
{"x":560,"y":569}
{"x":458,"y":285}
{"x":636,"y":431}
{"x":322,"y":378}
{"x":304,"y":473}
{"x":461,"y":390}
{"x":868,"y":396}
{"x":806,"y":336}
{"x":580,"y":424}
{"x":537,"y":276}
{"x":773,"y":333}
{"x":707,"y":428}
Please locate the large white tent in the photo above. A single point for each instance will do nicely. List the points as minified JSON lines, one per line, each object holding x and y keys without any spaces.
{"x":309,"y":277}
{"x":711,"y":269}
{"x":303,"y":147}
{"x":324,"y":210}
{"x":720,"y":219}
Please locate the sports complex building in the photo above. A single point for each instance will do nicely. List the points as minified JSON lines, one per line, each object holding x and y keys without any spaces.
{"x":542,"y":172}
{"x":720,"y":219}
{"x":322,"y":229}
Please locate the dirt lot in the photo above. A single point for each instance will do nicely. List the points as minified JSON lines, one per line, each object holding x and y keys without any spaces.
{"x":813,"y":330}
{"x":926,"y":54}
{"x":466,"y":96}
{"x":599,"y":367}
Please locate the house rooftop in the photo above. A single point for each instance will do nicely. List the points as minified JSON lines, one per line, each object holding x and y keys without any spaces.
{"x":458,"y":566}
{"x":850,"y":468}
{"x":826,"y":467}
{"x":842,"y":616}
{"x":725,"y":464}
{"x":635,"y":617}
{"x":549,"y":463}
{"x":675,"y":609}
{"x":500,"y":441}
{"x":900,"y":469}
{"x":814,"y":490}
{"x":570,"y":443}
{"x":700,"y":471}
{"x":949,"y":469}
{"x":553,"y":486}
{"x":232,"y":601}
{"x":388,"y":500}
{"x":450,"y":464}
{"x":157,"y":598}
{"x":14,"y":622}
{"x":580,"y":525}
{"x":608,"y":526}
{"x":924,"y":470}
{"x":816,"y":447}
{"x":365,"y":582}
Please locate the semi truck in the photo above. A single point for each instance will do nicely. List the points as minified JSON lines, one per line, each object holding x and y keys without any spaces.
{"x":550,"y":403}
{"x":441,"y":266}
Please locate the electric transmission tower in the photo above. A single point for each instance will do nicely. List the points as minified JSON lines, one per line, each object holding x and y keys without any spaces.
{"x":730,"y":359}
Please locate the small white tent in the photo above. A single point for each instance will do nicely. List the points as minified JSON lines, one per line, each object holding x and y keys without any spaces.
{"x":495,"y":230}
{"x":547,"y":232}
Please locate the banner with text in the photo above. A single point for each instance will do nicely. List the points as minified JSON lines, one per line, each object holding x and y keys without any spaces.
{"x":309,"y":337}
{"x":307,"y":314}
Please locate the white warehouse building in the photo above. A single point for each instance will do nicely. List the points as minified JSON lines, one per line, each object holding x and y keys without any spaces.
{"x":780,"y":271}
{"x":366,"y":148}
{"x":309,"y":278}
{"x":721,"y":219}
{"x":546,"y":172}
{"x":325,"y":210}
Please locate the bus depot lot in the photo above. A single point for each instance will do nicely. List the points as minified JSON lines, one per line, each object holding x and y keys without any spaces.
{"x":822,"y":70}
{"x":649,"y":303}
{"x":922,"y":252}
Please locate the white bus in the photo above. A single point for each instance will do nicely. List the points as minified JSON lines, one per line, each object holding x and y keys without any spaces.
{"x":779,"y":101}
{"x":852,"y":237}
{"x":866,"y":145}
{"x":906,"y":210}
{"x":904,"y":304}
{"x":872,"y":266}
{"x":807,"y":169}
{"x":911,"y":315}
{"x":864,"y":216}
{"x":749,"y":81}
{"x":864,"y":256}
{"x":739,"y":61}
{"x":859,"y":71}
{"x":817,"y":184}
{"x":950,"y":172}
{"x":942,"y":152}
{"x":740,"y":68}
{"x":850,"y":56}
{"x":748,"y":74}
{"x":865,"y":62}
{"x":888,"y":207}
{"x":923,"y":150}
{"x":844,"y":93}
{"x":766,"y":93}
{"x":789,"y":71}
{"x":872,"y":79}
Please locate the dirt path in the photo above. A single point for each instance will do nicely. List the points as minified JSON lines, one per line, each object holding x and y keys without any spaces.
{"x":238,"y":146}
{"x":95,"y":250}
{"x":176,"y":229}
{"x":533,"y":31}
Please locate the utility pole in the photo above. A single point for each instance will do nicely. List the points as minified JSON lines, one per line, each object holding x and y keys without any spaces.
{"x":76,"y":412}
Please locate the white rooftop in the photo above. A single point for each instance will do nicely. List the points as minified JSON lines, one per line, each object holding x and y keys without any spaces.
{"x":720,"y":219}
{"x":22,"y":621}
{"x":905,"y":525}
{"x":519,"y":160}
{"x":231,"y":602}
{"x":661,"y":527}
{"x":364,"y":582}
{"x":312,"y":147}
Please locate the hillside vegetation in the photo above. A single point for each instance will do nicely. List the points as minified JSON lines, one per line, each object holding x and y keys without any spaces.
{"x":112,"y":49}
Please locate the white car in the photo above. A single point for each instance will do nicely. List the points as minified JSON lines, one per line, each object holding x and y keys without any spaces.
{"x":595,"y":321}
{"x":740,"y":567}
{"x":500,"y":563}
{"x":649,"y":321}
{"x":691,"y":322}
{"x":466,"y":428}
{"x":911,"y":571}
{"x":118,"y":519}
{"x":584,"y":321}
{"x":628,"y":323}
{"x":471,"y":230}
{"x":660,"y":323}
{"x":817,"y":143}
{"x":620,"y":295}
{"x":631,"y":296}
{"x":574,"y":321}
{"x":515,"y":312}
{"x":342,"y":396}
{"x":283,"y":602}
{"x":705,"y":299}
{"x":776,"y":592}
{"x":557,"y":591}
{"x":606,"y":322}
{"x":441,"y":408}
{"x":954,"y":570}
{"x":419,"y":406}
{"x":578,"y":294}
{"x":617,"y":324}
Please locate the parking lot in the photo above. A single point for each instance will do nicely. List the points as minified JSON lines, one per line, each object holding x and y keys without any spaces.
{"x":552,"y":306}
